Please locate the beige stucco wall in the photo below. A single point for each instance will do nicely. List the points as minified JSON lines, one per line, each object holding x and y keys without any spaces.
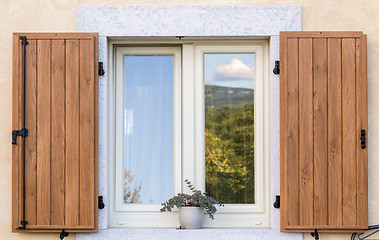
{"x":60,"y":16}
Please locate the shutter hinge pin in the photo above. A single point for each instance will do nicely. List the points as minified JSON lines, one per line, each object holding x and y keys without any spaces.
{"x":101,"y":203}
{"x":101,"y":69}
{"x":63,"y":234}
{"x":24,"y":41}
{"x":277,"y":202}
{"x":315,"y":235}
{"x":23,"y":223}
{"x":23,"y":133}
{"x":276,"y":69}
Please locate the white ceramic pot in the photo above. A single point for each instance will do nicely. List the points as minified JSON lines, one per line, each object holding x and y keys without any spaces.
{"x":191,"y":217}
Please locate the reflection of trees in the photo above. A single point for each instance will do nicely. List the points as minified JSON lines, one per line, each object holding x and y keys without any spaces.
{"x":229,"y":153}
{"x":131,"y":190}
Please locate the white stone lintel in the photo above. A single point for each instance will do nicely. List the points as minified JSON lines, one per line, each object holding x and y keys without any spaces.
{"x":147,"y":21}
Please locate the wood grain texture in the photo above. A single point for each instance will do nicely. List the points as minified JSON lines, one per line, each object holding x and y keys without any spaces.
{"x":323,"y":108}
{"x":58,"y":131}
{"x":62,"y":118}
{"x":87,"y":134}
{"x":334,"y":132}
{"x":16,"y":88}
{"x":31,"y":140}
{"x":349,"y":153}
{"x":292,"y":109}
{"x":72,"y":132}
{"x":323,"y":34}
{"x":305,"y":131}
{"x":283,"y":132}
{"x":320,"y":111}
{"x":56,"y":36}
{"x":96,"y":130}
{"x":362,"y":157}
{"x":43,"y":131}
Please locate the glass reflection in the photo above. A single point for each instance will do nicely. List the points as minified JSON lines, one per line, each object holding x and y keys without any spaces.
{"x":229,"y":127}
{"x":148,"y":128}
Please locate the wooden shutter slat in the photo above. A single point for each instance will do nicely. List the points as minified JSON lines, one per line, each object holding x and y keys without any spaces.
{"x":61,"y":149}
{"x":72,"y":132}
{"x":324,"y":170}
{"x":349,"y":166}
{"x":57,"y":131}
{"x":305,"y":131}
{"x":284,"y":46}
{"x":15,"y":121}
{"x":293,"y":132}
{"x":362,"y":157}
{"x":87,"y":134}
{"x":334,"y":133}
{"x":320,"y":107}
{"x":323,"y":34}
{"x":43,"y":131}
{"x":31,"y":140}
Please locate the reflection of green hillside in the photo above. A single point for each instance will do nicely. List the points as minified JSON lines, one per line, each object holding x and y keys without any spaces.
{"x":216,"y":96}
{"x":229,"y":144}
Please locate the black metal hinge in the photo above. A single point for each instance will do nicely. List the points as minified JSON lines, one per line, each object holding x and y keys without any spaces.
{"x":101,"y":69}
{"x":101,"y":204}
{"x":23,"y":223}
{"x":276,"y":70}
{"x":24,"y":41}
{"x":277,"y":202}
{"x":23,"y":133}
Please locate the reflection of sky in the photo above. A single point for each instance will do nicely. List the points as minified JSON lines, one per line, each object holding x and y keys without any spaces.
{"x":229,"y":70}
{"x":148,"y":125}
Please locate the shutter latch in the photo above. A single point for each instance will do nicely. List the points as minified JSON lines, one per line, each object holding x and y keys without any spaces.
{"x":363,"y":138}
{"x":23,"y":133}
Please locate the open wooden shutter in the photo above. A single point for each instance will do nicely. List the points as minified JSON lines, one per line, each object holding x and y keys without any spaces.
{"x":61,"y":115}
{"x":323,"y":108}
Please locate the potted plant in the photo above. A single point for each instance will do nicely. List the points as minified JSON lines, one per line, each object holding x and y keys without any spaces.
{"x":191,"y":207}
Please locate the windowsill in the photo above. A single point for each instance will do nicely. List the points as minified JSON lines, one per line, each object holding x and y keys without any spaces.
{"x":171,"y":220}
{"x":184,"y":234}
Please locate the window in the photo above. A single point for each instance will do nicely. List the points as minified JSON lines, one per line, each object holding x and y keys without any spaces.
{"x":189,"y":110}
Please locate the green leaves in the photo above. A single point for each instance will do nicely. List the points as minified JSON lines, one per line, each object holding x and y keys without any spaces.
{"x":229,"y":152}
{"x":197,"y":198}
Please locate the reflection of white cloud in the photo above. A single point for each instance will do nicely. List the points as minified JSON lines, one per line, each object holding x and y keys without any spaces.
{"x":128,"y":122}
{"x":235,"y":69}
{"x":208,"y":81}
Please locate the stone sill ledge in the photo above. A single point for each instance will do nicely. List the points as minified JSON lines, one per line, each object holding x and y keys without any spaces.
{"x":188,"y":234}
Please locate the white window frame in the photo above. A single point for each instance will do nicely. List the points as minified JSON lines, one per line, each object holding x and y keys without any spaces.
{"x":257,"y":50}
{"x":130,"y":214}
{"x":190,"y":97}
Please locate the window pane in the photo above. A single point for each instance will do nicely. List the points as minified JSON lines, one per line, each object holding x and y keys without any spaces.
{"x":148,"y":129}
{"x":229,"y":127}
